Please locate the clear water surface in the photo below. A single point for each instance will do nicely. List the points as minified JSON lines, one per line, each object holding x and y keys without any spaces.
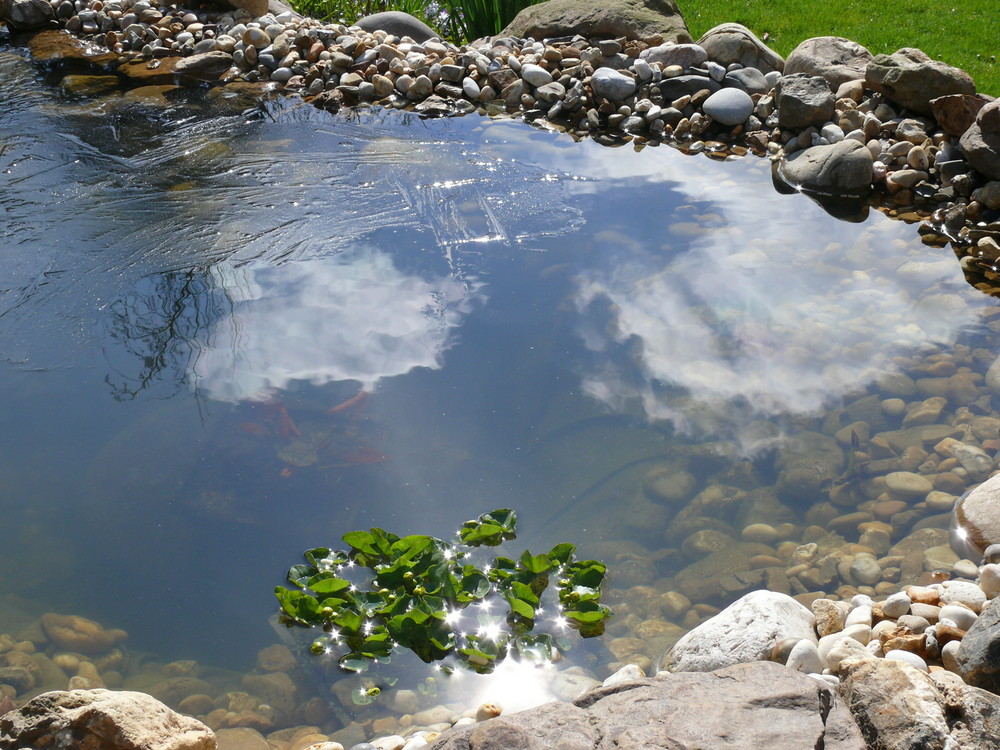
{"x":533,"y":317}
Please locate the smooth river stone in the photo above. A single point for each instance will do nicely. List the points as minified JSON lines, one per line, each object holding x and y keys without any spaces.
{"x":976,"y":520}
{"x":729,"y":106}
{"x":536,"y":75}
{"x":612,"y":85}
{"x":905,"y":485}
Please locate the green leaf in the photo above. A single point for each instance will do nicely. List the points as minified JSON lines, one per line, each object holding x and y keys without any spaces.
{"x":300,"y":575}
{"x":561,"y":554}
{"x":522,"y":608}
{"x":536,"y":564}
{"x":327,"y":583}
{"x":301,"y":607}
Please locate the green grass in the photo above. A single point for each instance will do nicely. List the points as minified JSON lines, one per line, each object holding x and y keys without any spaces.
{"x":962,"y":33}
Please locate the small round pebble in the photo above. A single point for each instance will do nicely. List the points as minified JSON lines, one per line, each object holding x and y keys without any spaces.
{"x":963,"y":592}
{"x":804,"y":657}
{"x":729,"y":106}
{"x":761,"y":533}
{"x":949,"y":655}
{"x":989,"y":580}
{"x":907,"y":657}
{"x":896,"y":605}
{"x":992,"y":554}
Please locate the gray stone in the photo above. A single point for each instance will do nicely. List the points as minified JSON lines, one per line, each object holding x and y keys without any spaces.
{"x":804,"y":100}
{"x":979,"y":654}
{"x":536,"y":75}
{"x":911,"y":79}
{"x":610,"y":84}
{"x":206,"y":66}
{"x":843,"y":169}
{"x":397,"y":23}
{"x":686,"y":85}
{"x":750,"y":80}
{"x":26,"y":15}
{"x":833,"y":58}
{"x":731,"y":43}
{"x":759,"y":705}
{"x":729,"y":106}
{"x":607,"y":19}
{"x":744,"y":631}
{"x":101,"y":719}
{"x":981,"y":142}
{"x":685,"y":55}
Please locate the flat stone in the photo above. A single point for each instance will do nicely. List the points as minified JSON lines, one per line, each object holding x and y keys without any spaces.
{"x":60,"y":49}
{"x":602,"y":19}
{"x":772,"y":706}
{"x":912,"y":79}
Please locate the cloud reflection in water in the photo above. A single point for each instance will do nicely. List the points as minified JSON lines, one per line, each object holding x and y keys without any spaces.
{"x":745,"y":304}
{"x":354,"y":316}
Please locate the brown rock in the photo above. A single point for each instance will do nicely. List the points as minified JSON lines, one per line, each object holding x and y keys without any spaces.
{"x":956,"y":113}
{"x":75,"y":633}
{"x":607,"y":19}
{"x":912,"y":79}
{"x":151,"y":72}
{"x":59,"y":49}
{"x":276,"y":658}
{"x":101,"y":720}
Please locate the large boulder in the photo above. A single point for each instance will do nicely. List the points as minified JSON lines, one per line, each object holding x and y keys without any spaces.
{"x":979,"y":652}
{"x":804,"y":100}
{"x":745,"y":631}
{"x":101,"y":720}
{"x":730,"y":43}
{"x":27,"y":15}
{"x":911,"y":79}
{"x":834,"y":58}
{"x":399,"y":24}
{"x":976,"y":519}
{"x":610,"y":19}
{"x":842,"y":170}
{"x":899,"y":706}
{"x":759,"y":705}
{"x":981,"y":142}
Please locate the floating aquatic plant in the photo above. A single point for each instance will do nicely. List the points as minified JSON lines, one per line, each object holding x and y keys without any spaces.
{"x":387,"y":594}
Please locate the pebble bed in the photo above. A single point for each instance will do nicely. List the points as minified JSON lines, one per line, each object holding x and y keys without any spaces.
{"x":927,"y":436}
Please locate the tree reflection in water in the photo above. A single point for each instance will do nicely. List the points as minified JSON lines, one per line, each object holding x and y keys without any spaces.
{"x":156,"y":332}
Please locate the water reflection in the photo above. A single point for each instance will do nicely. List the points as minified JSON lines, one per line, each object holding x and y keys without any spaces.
{"x":351,"y":317}
{"x":741,"y":303}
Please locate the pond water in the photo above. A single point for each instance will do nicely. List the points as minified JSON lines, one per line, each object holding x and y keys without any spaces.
{"x":540,"y":324}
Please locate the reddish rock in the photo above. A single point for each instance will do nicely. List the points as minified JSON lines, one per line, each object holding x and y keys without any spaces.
{"x":956,"y":113}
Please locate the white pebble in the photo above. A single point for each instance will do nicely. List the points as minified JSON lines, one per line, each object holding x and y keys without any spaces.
{"x":626,"y":674}
{"x":908,"y":657}
{"x":392,"y":742}
{"x":965,"y":569}
{"x":859,"y":616}
{"x":962,"y":592}
{"x":961,"y":616}
{"x":949,"y":655}
{"x":989,"y":580}
{"x":896,"y":605}
{"x":861,"y":600}
{"x":804,"y":657}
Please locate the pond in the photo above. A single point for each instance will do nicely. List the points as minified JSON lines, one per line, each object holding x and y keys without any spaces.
{"x":626,"y":345}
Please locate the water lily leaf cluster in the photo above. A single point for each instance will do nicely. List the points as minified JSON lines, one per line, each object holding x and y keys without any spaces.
{"x":386,"y":594}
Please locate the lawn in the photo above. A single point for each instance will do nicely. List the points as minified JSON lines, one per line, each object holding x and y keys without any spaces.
{"x":960,"y":32}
